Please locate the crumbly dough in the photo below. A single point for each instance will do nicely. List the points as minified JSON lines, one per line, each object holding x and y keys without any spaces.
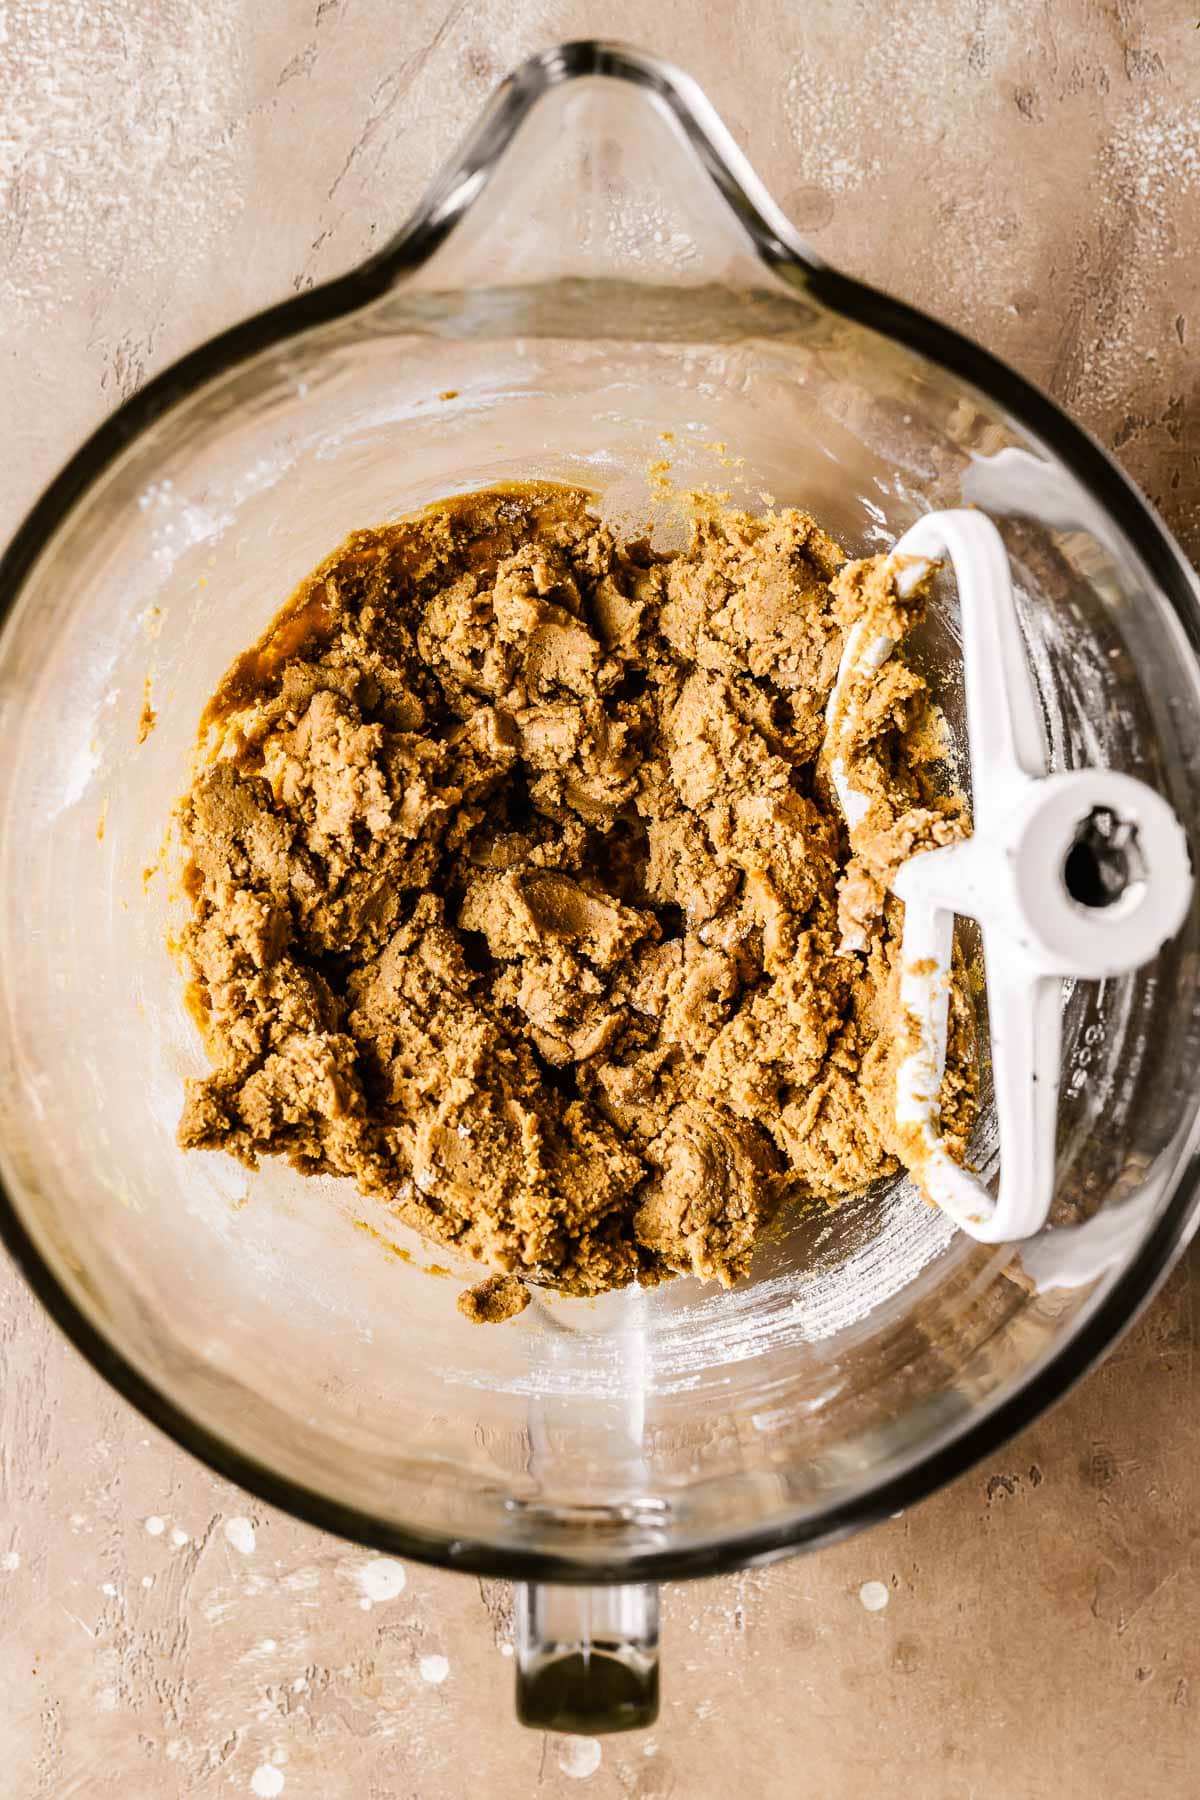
{"x":520,"y":895}
{"x":493,"y":1300}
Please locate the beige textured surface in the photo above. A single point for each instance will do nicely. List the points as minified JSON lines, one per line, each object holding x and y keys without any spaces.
{"x":1030,"y":171}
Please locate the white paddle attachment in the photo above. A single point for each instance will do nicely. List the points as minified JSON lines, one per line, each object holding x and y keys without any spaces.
{"x":1084,"y":873}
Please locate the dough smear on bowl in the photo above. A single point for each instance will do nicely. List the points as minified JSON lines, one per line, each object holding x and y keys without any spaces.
{"x":519,"y":893}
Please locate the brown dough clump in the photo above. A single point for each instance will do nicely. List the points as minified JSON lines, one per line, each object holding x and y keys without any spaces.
{"x":520,"y":895}
{"x":493,"y":1300}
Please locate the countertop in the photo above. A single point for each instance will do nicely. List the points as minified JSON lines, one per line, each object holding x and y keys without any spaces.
{"x":1030,"y":172}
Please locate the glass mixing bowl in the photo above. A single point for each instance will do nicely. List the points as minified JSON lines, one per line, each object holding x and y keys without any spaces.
{"x":597,"y":267}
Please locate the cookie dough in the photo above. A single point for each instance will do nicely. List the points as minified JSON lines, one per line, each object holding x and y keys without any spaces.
{"x":493,"y":1300}
{"x":519,"y":893}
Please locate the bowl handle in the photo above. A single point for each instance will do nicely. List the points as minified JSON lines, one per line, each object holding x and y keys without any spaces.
{"x":587,"y":1658}
{"x":597,"y":161}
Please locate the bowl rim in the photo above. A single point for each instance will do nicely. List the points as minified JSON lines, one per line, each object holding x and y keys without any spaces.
{"x":780,"y":249}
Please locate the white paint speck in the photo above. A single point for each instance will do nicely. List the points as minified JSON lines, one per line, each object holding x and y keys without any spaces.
{"x":240,"y":1533}
{"x":267,"y":1780}
{"x":109,"y":1588}
{"x":10,"y":1560}
{"x":506,"y":1650}
{"x":382,"y":1579}
{"x":147,"y":1581}
{"x":579,"y":1757}
{"x":434,"y":1669}
{"x":299,"y":1685}
{"x":179,"y":1538}
{"x":155,"y":1526}
{"x":874,"y":1595}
